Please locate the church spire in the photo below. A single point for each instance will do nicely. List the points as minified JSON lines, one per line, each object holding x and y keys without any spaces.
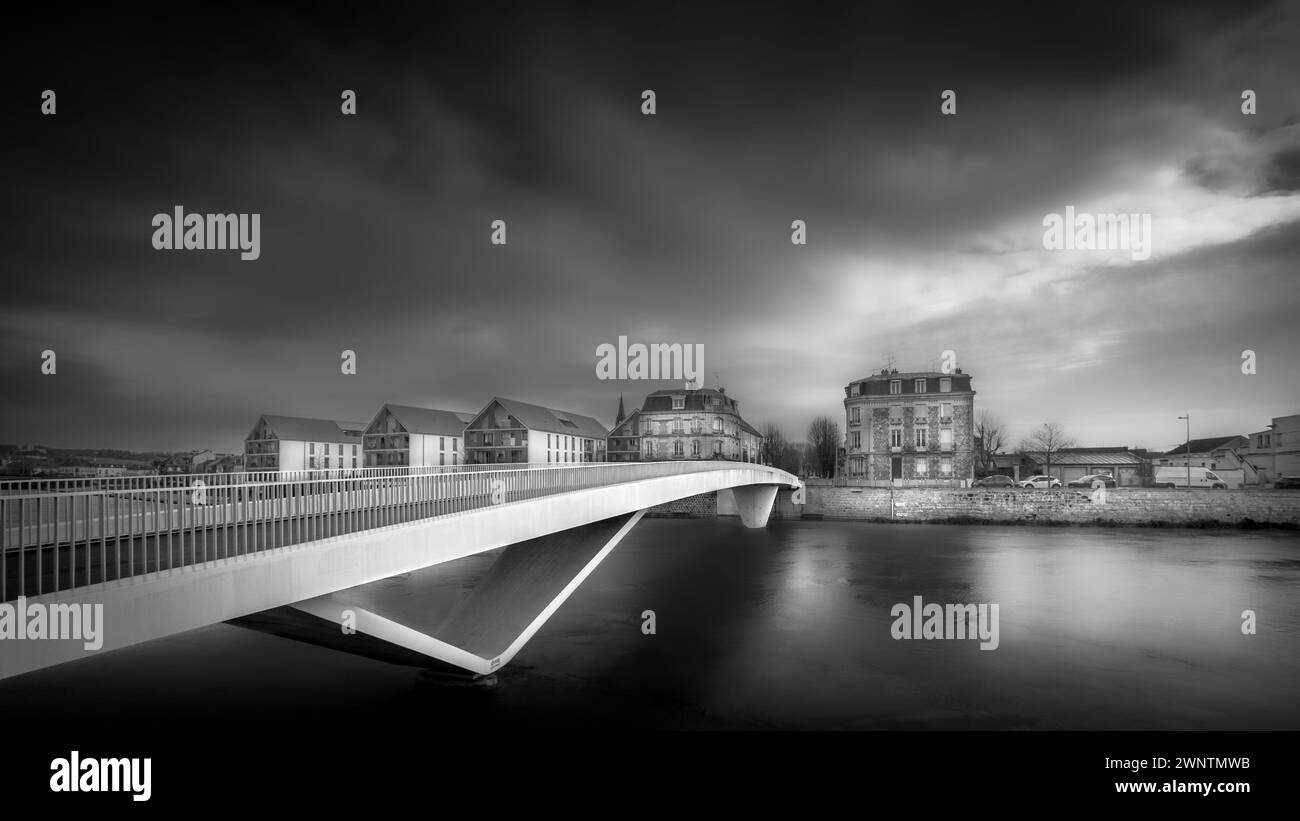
{"x":618,"y":420}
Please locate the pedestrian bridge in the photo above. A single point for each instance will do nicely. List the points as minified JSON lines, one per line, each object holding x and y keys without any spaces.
{"x":167,"y":554}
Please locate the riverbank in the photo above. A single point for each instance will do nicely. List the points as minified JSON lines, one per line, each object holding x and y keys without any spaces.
{"x":1121,"y":507}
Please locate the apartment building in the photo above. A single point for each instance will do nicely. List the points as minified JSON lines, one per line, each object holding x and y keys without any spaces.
{"x":624,"y":443}
{"x":699,"y":423}
{"x":406,"y":436}
{"x":510,"y":431}
{"x":910,"y":428}
{"x":298,"y":443}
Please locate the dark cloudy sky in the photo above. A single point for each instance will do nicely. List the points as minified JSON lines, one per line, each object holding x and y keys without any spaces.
{"x":925,"y":231}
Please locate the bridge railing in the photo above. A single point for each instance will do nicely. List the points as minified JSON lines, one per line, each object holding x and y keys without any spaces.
{"x":58,"y":541}
{"x":39,"y":484}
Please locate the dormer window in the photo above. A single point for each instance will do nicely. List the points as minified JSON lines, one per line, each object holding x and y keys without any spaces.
{"x":918,"y":386}
{"x":895,"y":386}
{"x":679,"y":402}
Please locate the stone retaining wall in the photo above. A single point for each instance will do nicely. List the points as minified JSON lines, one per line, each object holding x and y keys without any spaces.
{"x":1122,"y":506}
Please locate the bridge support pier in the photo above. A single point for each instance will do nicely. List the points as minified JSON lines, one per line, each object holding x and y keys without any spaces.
{"x":524,"y":588}
{"x":754,"y":503}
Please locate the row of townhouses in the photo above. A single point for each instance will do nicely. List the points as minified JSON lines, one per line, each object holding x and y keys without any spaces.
{"x":687,"y":423}
{"x":918,"y":428}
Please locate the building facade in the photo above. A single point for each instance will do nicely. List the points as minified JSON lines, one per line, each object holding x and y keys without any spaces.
{"x":279,"y":443}
{"x":911,"y":428}
{"x":510,"y":431}
{"x":405,"y":436}
{"x":624,"y":443}
{"x":1127,"y":467}
{"x":1275,"y":452}
{"x":701,"y":423}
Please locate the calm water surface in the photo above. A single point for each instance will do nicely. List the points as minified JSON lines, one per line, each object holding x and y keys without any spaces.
{"x":787,"y":627}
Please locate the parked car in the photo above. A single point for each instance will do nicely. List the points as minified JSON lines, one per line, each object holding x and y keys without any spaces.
{"x":1283,"y":482}
{"x":1174,"y":476}
{"x":995,"y":481}
{"x":1086,"y":481}
{"x":1041,"y":481}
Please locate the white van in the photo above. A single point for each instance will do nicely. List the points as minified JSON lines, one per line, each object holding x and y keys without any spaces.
{"x":1177,"y":477}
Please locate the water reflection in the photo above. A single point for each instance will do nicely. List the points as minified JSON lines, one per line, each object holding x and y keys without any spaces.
{"x":790,"y":628}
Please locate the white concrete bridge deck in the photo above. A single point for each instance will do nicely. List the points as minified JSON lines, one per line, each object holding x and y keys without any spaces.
{"x":171,"y":557}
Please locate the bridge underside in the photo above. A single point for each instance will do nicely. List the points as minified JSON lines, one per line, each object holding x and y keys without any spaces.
{"x":526,"y":585}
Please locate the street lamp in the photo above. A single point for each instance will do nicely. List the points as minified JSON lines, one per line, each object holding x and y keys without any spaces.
{"x":1188,"y":417}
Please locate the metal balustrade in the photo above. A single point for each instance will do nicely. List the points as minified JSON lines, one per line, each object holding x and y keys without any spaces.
{"x":59,"y":540}
{"x":150,"y":481}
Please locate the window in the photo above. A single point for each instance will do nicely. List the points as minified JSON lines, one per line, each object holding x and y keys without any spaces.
{"x":945,"y":439}
{"x":945,"y":465}
{"x":945,"y":384}
{"x":678,"y":426}
{"x":717,"y":424}
{"x":311,"y":448}
{"x":327,"y":463}
{"x":354,"y":458}
{"x":895,"y":437}
{"x":442,"y":458}
{"x":677,"y":448}
{"x":354,"y":452}
{"x":442,"y":443}
{"x":945,"y":410}
{"x":920,"y":437}
{"x":695,"y":447}
{"x":856,"y":438}
{"x":855,"y":389}
{"x":455,"y":457}
{"x":340,"y":450}
{"x":855,"y":416}
{"x":918,"y":386}
{"x":717,"y":448}
{"x":919,"y":468}
{"x":895,"y":386}
{"x":697,"y":425}
{"x":679,"y":402}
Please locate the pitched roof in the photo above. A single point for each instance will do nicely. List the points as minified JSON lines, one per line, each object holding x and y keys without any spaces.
{"x":428,"y":420}
{"x":1204,"y":445}
{"x":1090,"y":456}
{"x":624,"y":428}
{"x":304,"y":429}
{"x":698,"y":399}
{"x":550,"y":420}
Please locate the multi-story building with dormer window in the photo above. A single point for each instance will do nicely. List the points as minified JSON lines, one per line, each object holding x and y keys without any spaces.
{"x":912,"y":428}
{"x":283,"y":443}
{"x":404,"y":436}
{"x":698,"y":423}
{"x":508,"y":430}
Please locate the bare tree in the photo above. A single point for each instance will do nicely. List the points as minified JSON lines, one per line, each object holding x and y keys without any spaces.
{"x":794,"y":458}
{"x":772,"y":448}
{"x":990,"y":437}
{"x":1047,"y":441}
{"x":824,"y":441}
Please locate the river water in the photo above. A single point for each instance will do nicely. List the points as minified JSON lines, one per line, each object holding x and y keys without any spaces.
{"x":787,"y":627}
